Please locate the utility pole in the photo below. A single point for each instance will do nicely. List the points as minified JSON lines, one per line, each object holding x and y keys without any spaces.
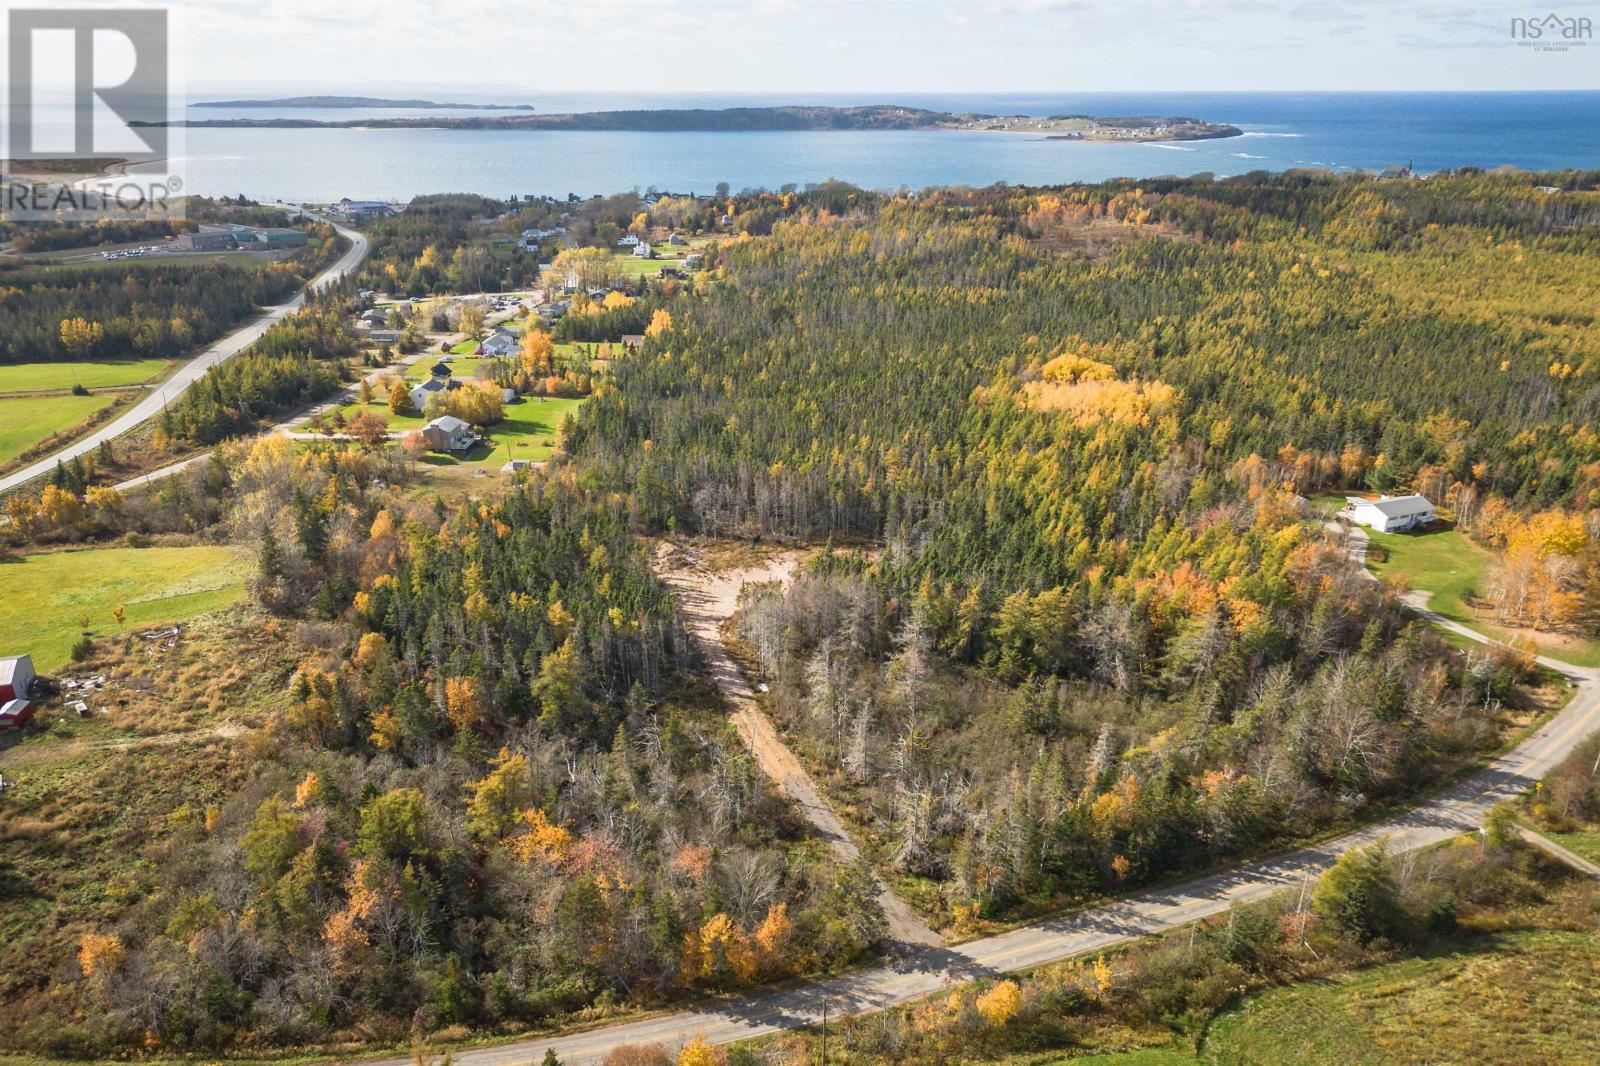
{"x":824,"y":1031}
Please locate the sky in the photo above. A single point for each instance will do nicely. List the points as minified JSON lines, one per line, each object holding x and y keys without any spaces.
{"x":494,"y":47}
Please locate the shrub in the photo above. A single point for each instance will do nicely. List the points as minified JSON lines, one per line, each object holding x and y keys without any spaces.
{"x":82,"y":648}
{"x":1000,"y":1004}
{"x":698,"y":1052}
{"x":1359,"y":897}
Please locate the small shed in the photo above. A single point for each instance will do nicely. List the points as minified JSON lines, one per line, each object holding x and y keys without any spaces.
{"x":16,"y":677}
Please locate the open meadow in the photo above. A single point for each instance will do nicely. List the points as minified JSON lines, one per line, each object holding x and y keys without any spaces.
{"x":27,"y":420}
{"x":1454,"y":571}
{"x":1506,"y":998}
{"x":49,"y":377}
{"x":528,"y":432}
{"x":49,"y":595}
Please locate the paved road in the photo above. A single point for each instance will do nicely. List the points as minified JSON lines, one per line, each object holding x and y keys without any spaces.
{"x":286,"y":427}
{"x":917,"y":973}
{"x":186,"y":375}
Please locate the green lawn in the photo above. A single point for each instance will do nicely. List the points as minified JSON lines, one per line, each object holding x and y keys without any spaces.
{"x":462,"y":367}
{"x":628,"y":263}
{"x":42,"y":377}
{"x":466,"y":347}
{"x":1448,"y":565}
{"x":528,"y":432}
{"x":27,"y":420}
{"x":1444,"y":563}
{"x":380,"y":407}
{"x":48,"y":595}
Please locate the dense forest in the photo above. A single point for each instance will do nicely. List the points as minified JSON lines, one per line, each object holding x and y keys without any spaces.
{"x":1100,"y":642}
{"x":491,"y":793}
{"x":1079,"y":631}
{"x":140,"y":309}
{"x":297,"y":361}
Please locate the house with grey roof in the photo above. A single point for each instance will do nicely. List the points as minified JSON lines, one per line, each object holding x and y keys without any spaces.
{"x":1389,"y":514}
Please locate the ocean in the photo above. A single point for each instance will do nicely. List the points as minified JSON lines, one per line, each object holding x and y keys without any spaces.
{"x":1339,"y":131}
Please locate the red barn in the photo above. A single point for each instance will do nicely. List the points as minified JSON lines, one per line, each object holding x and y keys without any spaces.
{"x":16,"y":677}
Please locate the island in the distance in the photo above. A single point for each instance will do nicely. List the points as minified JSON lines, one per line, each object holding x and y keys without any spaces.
{"x":351,"y":102}
{"x":788,"y":118}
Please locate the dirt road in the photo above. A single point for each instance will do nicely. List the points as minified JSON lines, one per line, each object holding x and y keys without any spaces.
{"x":922,"y":971}
{"x":708,"y":598}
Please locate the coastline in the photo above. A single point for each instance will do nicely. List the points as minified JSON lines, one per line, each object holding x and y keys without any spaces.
{"x":368,"y":126}
{"x":783,"y":119}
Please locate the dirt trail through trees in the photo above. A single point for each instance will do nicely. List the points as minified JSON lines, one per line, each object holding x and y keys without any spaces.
{"x":708,"y":598}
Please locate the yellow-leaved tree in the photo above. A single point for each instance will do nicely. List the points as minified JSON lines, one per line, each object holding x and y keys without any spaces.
{"x":1000,"y":1004}
{"x":698,"y":1052}
{"x":660,"y":322}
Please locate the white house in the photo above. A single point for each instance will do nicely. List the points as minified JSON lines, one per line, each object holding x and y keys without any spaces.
{"x":501,"y":343}
{"x":447,"y":433}
{"x":439,"y":382}
{"x":628,"y":241}
{"x":1389,"y":514}
{"x":424,"y":390}
{"x":643,"y":250}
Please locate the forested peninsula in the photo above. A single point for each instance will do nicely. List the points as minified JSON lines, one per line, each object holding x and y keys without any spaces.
{"x":766,"y":119}
{"x":359,"y":101}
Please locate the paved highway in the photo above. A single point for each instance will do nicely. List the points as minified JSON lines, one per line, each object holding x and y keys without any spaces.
{"x":921,"y":971}
{"x":187,"y":374}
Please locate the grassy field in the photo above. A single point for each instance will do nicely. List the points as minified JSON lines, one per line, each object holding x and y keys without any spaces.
{"x":462,"y":367}
{"x":93,"y":802}
{"x":1585,"y":842}
{"x":1520,"y":997}
{"x":47,"y":596}
{"x":1444,"y":563}
{"x":77,"y":260}
{"x":528,"y":432}
{"x":628,"y":263}
{"x":43,"y":377}
{"x":27,"y":420}
{"x":380,"y":407}
{"x":1448,"y":565}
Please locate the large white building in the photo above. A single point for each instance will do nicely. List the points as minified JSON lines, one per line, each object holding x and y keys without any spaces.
{"x":1389,"y":514}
